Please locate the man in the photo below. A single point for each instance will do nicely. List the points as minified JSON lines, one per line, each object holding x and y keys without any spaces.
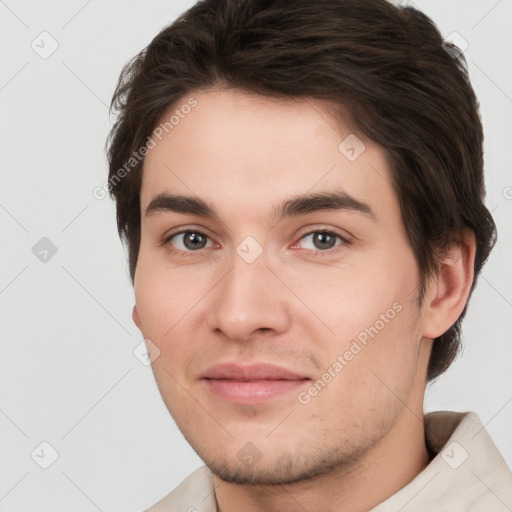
{"x":300,"y":186}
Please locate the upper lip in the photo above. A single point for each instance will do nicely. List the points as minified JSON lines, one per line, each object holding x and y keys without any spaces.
{"x":257,"y":371}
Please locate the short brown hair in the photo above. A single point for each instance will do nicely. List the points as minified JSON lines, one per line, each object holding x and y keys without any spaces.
{"x":388,"y":66}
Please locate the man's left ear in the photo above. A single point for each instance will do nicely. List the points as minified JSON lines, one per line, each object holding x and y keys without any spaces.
{"x":448,"y":291}
{"x":136,"y":317}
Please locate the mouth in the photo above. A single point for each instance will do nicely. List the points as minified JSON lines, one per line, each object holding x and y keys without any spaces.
{"x":251,"y":384}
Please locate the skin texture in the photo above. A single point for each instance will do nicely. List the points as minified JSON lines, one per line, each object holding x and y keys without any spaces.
{"x":361,"y":437}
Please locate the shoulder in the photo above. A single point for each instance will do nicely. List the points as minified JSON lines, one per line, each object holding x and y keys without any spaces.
{"x":194,"y":494}
{"x":467,"y":471}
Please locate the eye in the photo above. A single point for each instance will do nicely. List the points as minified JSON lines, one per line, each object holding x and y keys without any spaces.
{"x":189,"y":241}
{"x":322,"y":241}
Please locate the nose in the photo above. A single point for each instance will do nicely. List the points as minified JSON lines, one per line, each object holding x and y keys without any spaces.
{"x":249,"y":299}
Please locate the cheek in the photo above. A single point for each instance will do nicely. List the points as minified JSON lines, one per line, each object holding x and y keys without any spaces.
{"x":164,"y":297}
{"x":351,"y":301}
{"x":370,"y":322}
{"x":368,"y":372}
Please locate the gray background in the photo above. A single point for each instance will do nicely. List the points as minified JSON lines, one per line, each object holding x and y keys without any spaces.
{"x":68,"y":373}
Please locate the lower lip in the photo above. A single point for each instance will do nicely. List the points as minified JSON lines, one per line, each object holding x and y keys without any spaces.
{"x":252,"y":392}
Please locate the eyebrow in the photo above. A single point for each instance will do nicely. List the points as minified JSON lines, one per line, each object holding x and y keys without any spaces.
{"x":294,"y":206}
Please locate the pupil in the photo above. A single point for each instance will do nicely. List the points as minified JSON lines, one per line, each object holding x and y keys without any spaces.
{"x":324,"y":238}
{"x":191,"y":240}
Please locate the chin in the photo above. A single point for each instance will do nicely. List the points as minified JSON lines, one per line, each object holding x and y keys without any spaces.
{"x":284,"y":469}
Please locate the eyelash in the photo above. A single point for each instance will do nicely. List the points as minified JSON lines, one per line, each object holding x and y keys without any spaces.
{"x":344,"y":242}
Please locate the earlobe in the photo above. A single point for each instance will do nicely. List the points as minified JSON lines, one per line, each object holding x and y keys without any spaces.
{"x":135,"y":317}
{"x":448,"y":292}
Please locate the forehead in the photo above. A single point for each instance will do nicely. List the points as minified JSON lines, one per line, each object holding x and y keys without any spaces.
{"x":245,"y":151}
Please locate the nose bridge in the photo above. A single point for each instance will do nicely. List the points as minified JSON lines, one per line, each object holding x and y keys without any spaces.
{"x":248,"y":297}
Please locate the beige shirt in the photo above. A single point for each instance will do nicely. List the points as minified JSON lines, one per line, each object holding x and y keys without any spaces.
{"x":467,"y":474}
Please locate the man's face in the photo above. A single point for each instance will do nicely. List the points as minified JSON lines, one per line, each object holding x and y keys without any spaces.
{"x":337,"y":311}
